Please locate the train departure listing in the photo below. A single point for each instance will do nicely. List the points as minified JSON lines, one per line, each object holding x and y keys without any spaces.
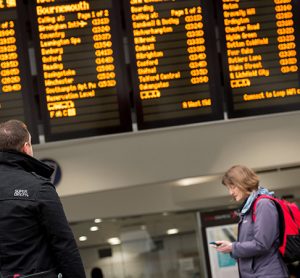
{"x":79,"y":68}
{"x":172,"y":68}
{"x":260,"y":40}
{"x":11,"y":99}
{"x":14,"y":92}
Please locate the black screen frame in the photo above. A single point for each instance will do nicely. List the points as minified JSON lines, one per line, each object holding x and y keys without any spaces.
{"x":121,"y":76}
{"x":259,"y":111}
{"x":27,"y":92}
{"x":215,"y":88}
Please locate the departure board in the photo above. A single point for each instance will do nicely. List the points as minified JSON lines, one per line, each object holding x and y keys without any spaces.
{"x":174,"y":62}
{"x":80,"y":54}
{"x":15,"y":91}
{"x":261,"y":55}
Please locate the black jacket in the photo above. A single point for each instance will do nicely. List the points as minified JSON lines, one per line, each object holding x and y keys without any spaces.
{"x":34,"y":232}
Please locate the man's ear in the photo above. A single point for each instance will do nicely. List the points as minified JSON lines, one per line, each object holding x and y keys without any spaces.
{"x":26,"y":148}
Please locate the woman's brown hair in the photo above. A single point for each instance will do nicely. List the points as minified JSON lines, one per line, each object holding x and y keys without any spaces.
{"x":242,"y":177}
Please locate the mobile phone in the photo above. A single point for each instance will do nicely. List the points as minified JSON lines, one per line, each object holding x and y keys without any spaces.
{"x":214,"y":243}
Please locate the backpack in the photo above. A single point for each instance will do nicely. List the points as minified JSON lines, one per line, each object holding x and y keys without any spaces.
{"x":289,"y":227}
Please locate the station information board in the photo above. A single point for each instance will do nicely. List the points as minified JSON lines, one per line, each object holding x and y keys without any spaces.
{"x":80,"y":55}
{"x":15,"y":91}
{"x":261,"y":51}
{"x":173,"y":59}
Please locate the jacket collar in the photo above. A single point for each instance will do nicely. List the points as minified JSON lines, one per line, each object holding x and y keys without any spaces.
{"x":26,"y":162}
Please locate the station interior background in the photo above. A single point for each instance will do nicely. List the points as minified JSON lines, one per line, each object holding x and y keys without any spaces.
{"x":135,"y":199}
{"x":144,"y":183}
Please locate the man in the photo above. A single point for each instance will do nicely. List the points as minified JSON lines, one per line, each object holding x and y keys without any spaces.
{"x":35,"y":237}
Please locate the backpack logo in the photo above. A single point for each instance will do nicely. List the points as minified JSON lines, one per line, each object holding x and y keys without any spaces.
{"x":21,"y":193}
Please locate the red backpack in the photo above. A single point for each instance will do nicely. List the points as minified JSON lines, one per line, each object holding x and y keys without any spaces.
{"x":289,"y":221}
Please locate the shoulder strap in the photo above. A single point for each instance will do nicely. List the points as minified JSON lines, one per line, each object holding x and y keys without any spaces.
{"x":287,"y":219}
{"x":255,"y":204}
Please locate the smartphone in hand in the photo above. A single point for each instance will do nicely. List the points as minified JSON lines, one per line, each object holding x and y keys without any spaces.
{"x":214,"y":243}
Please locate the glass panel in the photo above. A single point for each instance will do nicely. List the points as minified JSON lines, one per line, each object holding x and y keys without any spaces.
{"x":161,"y":245}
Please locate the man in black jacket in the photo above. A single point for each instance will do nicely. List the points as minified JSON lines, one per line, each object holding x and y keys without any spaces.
{"x":34,"y":233}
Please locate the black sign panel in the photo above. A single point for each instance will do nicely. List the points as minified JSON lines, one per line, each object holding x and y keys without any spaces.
{"x":80,"y":56}
{"x":173,"y":58}
{"x":219,"y":225}
{"x":15,"y":90}
{"x":219,"y":217}
{"x":261,"y":55}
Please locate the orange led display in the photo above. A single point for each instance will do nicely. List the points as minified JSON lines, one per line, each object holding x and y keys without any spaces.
{"x":9,"y":61}
{"x":173,"y":69}
{"x":80,"y":86}
{"x":260,"y":40}
{"x":15,"y":92}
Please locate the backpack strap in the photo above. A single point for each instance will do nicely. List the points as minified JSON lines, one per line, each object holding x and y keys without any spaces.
{"x":292,"y":214}
{"x":255,"y":204}
{"x":279,"y":211}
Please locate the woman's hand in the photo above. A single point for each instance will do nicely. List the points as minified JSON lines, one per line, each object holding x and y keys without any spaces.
{"x":224,"y":247}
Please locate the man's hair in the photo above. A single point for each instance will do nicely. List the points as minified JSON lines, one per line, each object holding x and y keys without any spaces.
{"x":13,"y":135}
{"x":242,"y":177}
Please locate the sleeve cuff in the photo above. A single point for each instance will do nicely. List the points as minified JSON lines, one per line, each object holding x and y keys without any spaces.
{"x":233,"y":252}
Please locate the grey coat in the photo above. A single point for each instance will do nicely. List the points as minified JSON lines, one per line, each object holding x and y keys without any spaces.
{"x":257,"y":247}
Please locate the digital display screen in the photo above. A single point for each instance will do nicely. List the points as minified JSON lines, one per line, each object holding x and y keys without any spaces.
{"x":261,"y":55}
{"x":80,"y":55}
{"x":15,"y":92}
{"x":175,"y":49}
{"x":174,"y":62}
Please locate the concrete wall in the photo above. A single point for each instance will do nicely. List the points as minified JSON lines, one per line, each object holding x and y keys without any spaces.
{"x":133,"y":173}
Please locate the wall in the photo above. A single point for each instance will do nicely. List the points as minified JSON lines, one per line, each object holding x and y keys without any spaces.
{"x":137,"y":171}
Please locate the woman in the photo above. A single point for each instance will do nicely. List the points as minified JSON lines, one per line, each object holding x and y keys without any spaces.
{"x":256,"y":249}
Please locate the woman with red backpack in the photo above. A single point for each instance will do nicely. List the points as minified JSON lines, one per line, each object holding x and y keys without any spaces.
{"x":256,"y":248}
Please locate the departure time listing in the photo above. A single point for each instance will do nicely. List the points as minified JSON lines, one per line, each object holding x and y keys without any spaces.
{"x":78,"y":64}
{"x":170,"y":50}
{"x":11,"y":99}
{"x":261,"y":48}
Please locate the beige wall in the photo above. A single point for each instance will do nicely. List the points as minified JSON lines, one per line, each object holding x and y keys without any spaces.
{"x":134,"y":173}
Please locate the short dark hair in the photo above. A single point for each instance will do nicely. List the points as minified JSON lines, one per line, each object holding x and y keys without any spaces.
{"x":13,"y":135}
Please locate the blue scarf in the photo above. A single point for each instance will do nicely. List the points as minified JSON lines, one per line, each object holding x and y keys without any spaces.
{"x":253,"y":196}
